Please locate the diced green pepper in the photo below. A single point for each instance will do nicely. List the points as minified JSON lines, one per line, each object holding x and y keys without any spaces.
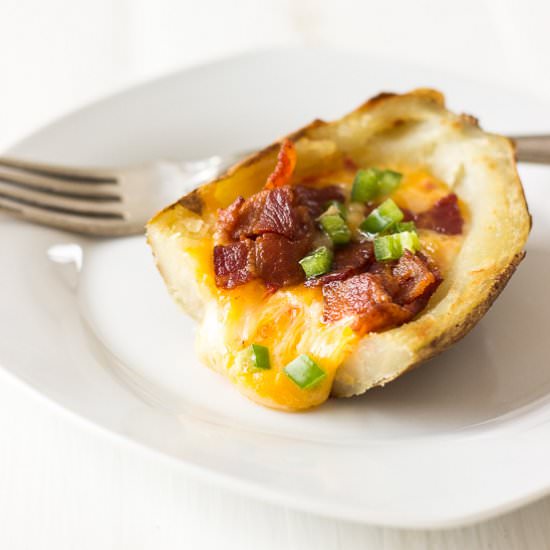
{"x":382,"y":218}
{"x":389,"y":181}
{"x":404,"y":226}
{"x":317,"y":262}
{"x":365,"y":185}
{"x":336,"y":228}
{"x":391,"y":247}
{"x":259,"y":356}
{"x":373,"y":182}
{"x":304,"y":372}
{"x":339,"y":205}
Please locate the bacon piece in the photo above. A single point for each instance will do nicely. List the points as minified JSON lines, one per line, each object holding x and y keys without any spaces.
{"x":444,"y":216}
{"x":415,"y":277}
{"x":269,"y":211}
{"x":287,"y":211}
{"x":277,"y":259}
{"x":234,"y":263}
{"x":286,"y":162}
{"x":384,"y":270}
{"x":389,"y":294}
{"x":228,"y":218}
{"x":283,"y":230}
{"x":382,"y":317}
{"x":364,"y":297}
{"x":315,"y":198}
{"x":280,"y":215}
{"x":352,"y":259}
{"x":355,"y":256}
{"x":408,"y":216}
{"x":411,"y":277}
{"x":355,"y":296}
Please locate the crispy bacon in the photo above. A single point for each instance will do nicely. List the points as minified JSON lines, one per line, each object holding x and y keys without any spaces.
{"x":269,"y":211}
{"x":364,"y":297}
{"x":280,"y":214}
{"x":228,"y":218}
{"x":390,"y":294}
{"x":286,"y":162}
{"x":352,"y":259}
{"x":382,"y":317}
{"x":234,"y":263}
{"x":408,"y":216}
{"x":277,"y":259}
{"x":444,"y":216}
{"x":315,"y":199}
{"x":384,"y":270}
{"x":415,"y":278}
{"x":354,"y":296}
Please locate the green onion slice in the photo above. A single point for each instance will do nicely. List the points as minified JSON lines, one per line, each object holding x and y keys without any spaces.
{"x":304,"y":372}
{"x":382,"y":218}
{"x":259,"y":356}
{"x":389,"y":181}
{"x":400,"y":227}
{"x":365,"y":185}
{"x":339,"y":206}
{"x":317,"y":262}
{"x":336,"y":228}
{"x":391,"y":247}
{"x":371,"y":183}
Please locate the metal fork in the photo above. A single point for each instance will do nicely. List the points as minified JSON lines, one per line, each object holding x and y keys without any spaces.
{"x":100,"y":202}
{"x":119,"y":202}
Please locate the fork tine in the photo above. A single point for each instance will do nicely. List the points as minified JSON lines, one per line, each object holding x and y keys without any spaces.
{"x":59,"y":186}
{"x":64,"y":172}
{"x":58,"y":203}
{"x":107,"y":227}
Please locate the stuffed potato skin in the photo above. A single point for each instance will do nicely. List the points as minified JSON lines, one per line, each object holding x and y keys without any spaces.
{"x":393,"y":130}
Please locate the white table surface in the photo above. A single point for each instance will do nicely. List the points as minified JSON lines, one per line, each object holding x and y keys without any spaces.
{"x":65,"y":487}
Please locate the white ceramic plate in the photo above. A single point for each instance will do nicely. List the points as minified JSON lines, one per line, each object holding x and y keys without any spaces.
{"x":465,"y":436}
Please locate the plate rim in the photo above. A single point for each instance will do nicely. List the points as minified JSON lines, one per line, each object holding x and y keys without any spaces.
{"x":255,"y":490}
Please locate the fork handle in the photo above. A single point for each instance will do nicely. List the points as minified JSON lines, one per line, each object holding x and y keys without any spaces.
{"x":532,"y":148}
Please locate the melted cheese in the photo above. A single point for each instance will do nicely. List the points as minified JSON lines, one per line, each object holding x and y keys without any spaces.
{"x":419,"y":191}
{"x":443,"y":249}
{"x":289,"y":321}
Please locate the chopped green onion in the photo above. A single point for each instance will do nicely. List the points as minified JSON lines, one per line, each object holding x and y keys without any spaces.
{"x":382,"y":218}
{"x":391,"y":247}
{"x":336,"y":228}
{"x":304,"y":372}
{"x":317,"y":262}
{"x":330,"y":205}
{"x":373,"y":182}
{"x":389,"y":181}
{"x":365,"y":185}
{"x":259,"y":356}
{"x":400,"y":227}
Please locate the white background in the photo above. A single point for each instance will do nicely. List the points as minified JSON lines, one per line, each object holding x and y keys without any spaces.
{"x":63,"y":487}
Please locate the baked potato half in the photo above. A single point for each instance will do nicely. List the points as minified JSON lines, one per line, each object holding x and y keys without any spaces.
{"x":435,"y":154}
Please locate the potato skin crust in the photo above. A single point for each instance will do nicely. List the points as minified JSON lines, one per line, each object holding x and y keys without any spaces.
{"x":391,"y":129}
{"x":451,"y":336}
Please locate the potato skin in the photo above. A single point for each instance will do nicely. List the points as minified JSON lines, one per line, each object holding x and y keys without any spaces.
{"x":389,"y":129}
{"x":456,"y":333}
